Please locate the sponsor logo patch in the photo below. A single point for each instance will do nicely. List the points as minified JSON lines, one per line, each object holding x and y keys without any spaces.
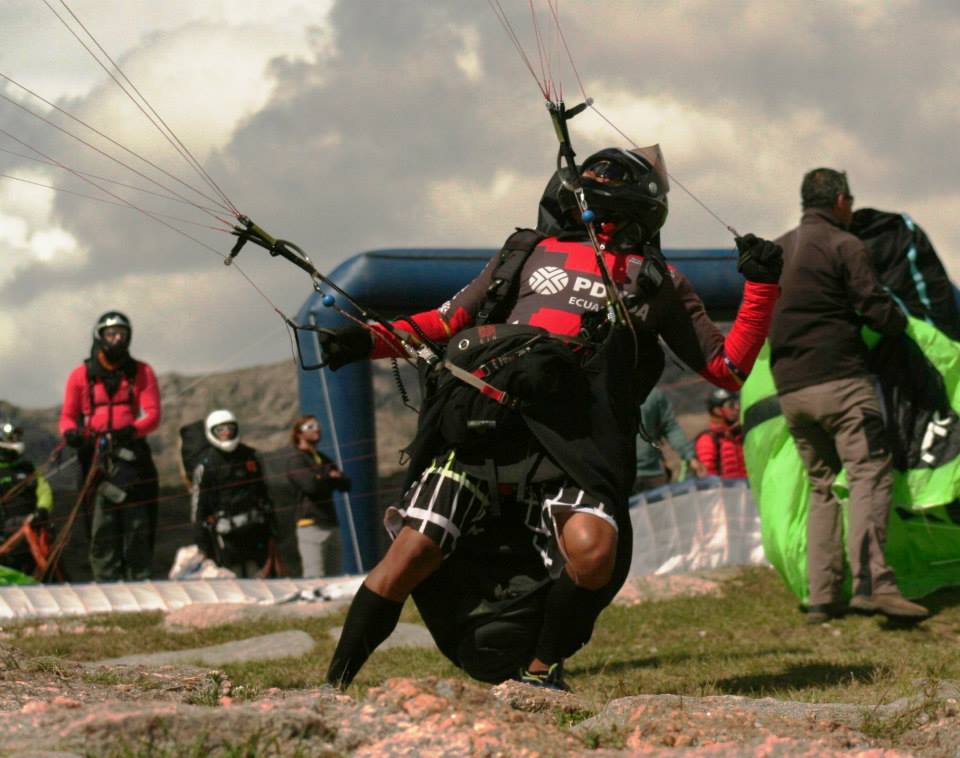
{"x":548,"y":280}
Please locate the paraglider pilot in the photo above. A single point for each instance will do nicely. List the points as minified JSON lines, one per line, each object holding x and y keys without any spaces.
{"x":555,"y":448}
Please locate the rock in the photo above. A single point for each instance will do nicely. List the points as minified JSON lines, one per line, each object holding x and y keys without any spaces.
{"x":405,"y":635}
{"x":208,"y":615}
{"x":264,"y":647}
{"x":642,"y":589}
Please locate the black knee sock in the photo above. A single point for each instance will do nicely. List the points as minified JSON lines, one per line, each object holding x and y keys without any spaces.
{"x":370,"y":621}
{"x":568,"y":617}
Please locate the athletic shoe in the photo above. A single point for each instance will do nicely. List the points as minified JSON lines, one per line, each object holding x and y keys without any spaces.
{"x":551,"y":679}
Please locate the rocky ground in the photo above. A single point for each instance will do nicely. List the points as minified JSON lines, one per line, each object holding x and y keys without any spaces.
{"x":49,"y":705}
{"x":159,"y":706}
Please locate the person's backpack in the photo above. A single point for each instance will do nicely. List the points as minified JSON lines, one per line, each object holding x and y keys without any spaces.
{"x":192,"y":446}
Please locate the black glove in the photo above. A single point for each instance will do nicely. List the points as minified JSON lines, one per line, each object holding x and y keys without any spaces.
{"x":760,"y":260}
{"x":123,"y":436}
{"x":40,"y":518}
{"x":75,"y":437}
{"x":339,"y":347}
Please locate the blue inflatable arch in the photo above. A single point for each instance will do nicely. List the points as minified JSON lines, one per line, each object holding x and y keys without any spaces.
{"x":404,"y":281}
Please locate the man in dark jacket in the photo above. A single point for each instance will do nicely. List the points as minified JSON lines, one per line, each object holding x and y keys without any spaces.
{"x":234,"y":522}
{"x":829,"y":400}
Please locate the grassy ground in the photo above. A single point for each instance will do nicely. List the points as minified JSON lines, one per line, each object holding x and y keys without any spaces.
{"x":750,"y":642}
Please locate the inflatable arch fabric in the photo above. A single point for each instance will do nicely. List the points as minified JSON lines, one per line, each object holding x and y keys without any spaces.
{"x":403,"y":281}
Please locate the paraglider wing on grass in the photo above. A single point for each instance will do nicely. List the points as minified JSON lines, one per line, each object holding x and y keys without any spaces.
{"x":920,"y":379}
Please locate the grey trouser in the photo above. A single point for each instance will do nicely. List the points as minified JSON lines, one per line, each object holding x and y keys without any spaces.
{"x":121,"y":538}
{"x":836,"y":425}
{"x":319,"y":548}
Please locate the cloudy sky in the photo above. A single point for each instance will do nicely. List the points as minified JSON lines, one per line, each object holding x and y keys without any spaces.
{"x":359,"y":124}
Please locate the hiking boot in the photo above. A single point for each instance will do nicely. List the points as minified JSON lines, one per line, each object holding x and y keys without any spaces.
{"x":551,"y":679}
{"x":894,"y":605}
{"x":819,"y":614}
{"x":863,"y":604}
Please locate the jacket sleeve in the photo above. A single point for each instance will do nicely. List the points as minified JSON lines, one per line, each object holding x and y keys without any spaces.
{"x":706,"y":449}
{"x":302,"y":474}
{"x":202,"y":504}
{"x":73,"y":399}
{"x":867,"y":296}
{"x":203,"y":495}
{"x":725,"y":361}
{"x":148,"y":397}
{"x":673,"y":433}
{"x":459,"y":312}
{"x":263,"y":491}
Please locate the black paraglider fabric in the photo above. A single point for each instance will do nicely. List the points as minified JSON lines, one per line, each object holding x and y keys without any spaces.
{"x":889,"y":239}
{"x":915,"y":401}
{"x":193,"y":445}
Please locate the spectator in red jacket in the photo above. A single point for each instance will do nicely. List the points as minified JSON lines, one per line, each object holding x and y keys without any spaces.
{"x":111,"y":403}
{"x":720,"y":447}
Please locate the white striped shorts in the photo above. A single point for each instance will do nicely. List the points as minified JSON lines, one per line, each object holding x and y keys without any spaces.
{"x":446,"y":503}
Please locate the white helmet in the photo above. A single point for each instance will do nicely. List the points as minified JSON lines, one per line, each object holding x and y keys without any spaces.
{"x":222,"y":417}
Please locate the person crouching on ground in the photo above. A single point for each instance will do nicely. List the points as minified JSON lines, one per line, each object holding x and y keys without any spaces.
{"x":564,"y":440}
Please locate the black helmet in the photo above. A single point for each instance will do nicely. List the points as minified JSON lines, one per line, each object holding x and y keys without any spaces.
{"x":624,"y":186}
{"x":11,"y":441}
{"x":720,"y":396}
{"x":113,"y":352}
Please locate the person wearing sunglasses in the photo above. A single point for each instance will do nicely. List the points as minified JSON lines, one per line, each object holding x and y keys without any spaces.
{"x":315,"y":478}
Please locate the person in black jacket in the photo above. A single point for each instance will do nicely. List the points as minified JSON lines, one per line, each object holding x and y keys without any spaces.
{"x":547,"y":436}
{"x":829,"y":399}
{"x":234,"y":522}
{"x":315,"y":478}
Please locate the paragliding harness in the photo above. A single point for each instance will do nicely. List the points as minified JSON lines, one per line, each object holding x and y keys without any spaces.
{"x":121,"y":466}
{"x":492,"y":374}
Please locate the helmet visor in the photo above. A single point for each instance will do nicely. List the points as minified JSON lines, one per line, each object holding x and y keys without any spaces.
{"x":608,"y":172}
{"x":225,"y":432}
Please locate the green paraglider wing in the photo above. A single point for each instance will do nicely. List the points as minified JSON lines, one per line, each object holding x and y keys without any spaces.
{"x":10,"y":576}
{"x":923,"y":538}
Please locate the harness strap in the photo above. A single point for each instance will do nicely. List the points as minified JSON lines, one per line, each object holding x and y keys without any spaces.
{"x":505,"y":278}
{"x":485,"y":388}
